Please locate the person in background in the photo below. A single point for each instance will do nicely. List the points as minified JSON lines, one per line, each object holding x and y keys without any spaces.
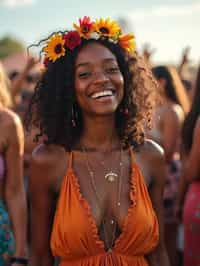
{"x":148,"y":51}
{"x":166,"y":128}
{"x":89,"y":180}
{"x":24,"y":82}
{"x":183,"y":69}
{"x":13,"y":220}
{"x":188,"y":202}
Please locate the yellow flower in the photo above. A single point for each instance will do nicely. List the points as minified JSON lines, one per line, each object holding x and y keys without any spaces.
{"x":107,"y":28}
{"x":127,"y":42}
{"x":55,"y":47}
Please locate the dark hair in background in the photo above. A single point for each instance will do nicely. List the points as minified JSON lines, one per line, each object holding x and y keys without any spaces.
{"x":53,"y":106}
{"x":191,"y":118}
{"x":162,"y":72}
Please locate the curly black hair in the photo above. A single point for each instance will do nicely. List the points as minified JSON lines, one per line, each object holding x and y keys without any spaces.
{"x":53,"y":107}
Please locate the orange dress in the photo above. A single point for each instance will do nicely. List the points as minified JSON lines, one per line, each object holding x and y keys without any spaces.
{"x":75,"y":237}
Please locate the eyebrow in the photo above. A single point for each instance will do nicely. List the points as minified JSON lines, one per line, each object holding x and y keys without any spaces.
{"x":88,"y":63}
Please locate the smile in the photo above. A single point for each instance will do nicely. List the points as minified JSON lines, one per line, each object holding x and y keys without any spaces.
{"x":100,"y":94}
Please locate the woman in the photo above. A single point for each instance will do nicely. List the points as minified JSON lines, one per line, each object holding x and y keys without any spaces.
{"x":12,"y":195}
{"x":89,"y":106}
{"x":190,"y":181}
{"x":166,"y":130}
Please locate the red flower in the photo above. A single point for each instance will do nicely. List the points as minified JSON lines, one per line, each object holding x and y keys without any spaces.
{"x":72,"y":39}
{"x":46,"y":61}
{"x":85,"y":27}
{"x":85,"y":24}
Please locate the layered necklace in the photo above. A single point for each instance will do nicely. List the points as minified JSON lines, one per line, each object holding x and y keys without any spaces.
{"x":110,"y":177}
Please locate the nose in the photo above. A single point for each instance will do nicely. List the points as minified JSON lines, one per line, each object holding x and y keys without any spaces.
{"x":100,"y":76}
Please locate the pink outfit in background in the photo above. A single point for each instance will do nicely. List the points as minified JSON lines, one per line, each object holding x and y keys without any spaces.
{"x":191,"y":221}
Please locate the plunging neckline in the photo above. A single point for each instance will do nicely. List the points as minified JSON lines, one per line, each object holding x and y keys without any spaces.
{"x":86,"y":206}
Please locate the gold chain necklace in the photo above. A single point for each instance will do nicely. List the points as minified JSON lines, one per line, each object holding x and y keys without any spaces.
{"x":94,"y":187}
{"x":110,"y":176}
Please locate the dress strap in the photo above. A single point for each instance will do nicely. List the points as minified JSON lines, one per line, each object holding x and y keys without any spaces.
{"x":132,"y":155}
{"x":70,"y":160}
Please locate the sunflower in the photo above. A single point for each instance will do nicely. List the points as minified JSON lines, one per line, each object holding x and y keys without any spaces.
{"x":55,"y":47}
{"x":127,"y":42}
{"x":107,"y":28}
{"x":85,"y":27}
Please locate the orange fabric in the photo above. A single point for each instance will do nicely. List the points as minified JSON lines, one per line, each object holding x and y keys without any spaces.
{"x":75,"y":237}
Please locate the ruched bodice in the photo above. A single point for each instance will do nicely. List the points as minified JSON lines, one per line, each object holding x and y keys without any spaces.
{"x":75,"y":236}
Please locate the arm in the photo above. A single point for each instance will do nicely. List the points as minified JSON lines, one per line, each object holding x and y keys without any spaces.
{"x":14,"y":186}
{"x":184,"y":60}
{"x":159,"y":255}
{"x":42,"y":201}
{"x":182,"y":189}
{"x":171,"y":127}
{"x":191,"y":167}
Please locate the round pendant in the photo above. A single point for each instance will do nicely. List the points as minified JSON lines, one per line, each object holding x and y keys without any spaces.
{"x":111,"y":176}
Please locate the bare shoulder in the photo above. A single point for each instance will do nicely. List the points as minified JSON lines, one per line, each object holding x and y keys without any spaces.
{"x":152,"y":150}
{"x":196,"y":132}
{"x":197,"y":126}
{"x":10,"y":119}
{"x":12,"y":127}
{"x":178,"y":111}
{"x":174,"y":112}
{"x":47,"y":155}
{"x":151,"y":160}
{"x":154,"y":159}
{"x":48,"y":164}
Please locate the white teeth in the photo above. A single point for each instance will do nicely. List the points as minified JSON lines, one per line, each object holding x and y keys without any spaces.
{"x":102,"y":93}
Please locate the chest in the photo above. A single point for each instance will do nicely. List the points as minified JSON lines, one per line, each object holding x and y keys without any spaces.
{"x":107,"y":199}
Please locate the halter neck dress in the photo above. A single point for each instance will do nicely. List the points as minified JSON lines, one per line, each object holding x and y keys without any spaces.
{"x":75,"y":239}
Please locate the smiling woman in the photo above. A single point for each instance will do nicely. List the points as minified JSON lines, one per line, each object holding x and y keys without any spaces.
{"x":90,"y":203}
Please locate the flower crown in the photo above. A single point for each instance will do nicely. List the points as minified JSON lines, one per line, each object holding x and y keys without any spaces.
{"x":58,"y":44}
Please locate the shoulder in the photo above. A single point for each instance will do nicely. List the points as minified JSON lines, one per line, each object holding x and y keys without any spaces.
{"x":49,"y":160}
{"x":197,"y":126}
{"x":152,"y":149}
{"x":178,"y":111}
{"x":47,"y":155}
{"x":12,"y":126}
{"x":10,"y":119}
{"x":196,"y":132}
{"x":174,"y":112}
{"x":48,"y":165}
{"x":152,"y":158}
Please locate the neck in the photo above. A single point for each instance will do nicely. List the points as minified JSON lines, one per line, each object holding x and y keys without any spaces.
{"x":99,"y":134}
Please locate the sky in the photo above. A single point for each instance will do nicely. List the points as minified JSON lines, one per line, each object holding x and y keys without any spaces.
{"x":167,"y":26}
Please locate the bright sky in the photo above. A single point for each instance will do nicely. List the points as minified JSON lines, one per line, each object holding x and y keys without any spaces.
{"x":168,"y":26}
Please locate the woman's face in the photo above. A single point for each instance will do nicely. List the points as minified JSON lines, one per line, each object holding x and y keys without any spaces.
{"x":99,"y":83}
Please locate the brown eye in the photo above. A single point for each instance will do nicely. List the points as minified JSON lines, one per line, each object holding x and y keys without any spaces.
{"x":112,"y":69}
{"x":84,"y":74}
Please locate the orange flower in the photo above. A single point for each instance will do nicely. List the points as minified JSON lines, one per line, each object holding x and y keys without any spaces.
{"x":127,"y":42}
{"x":85,"y":27}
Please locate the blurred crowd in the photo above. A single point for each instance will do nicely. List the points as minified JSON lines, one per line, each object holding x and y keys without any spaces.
{"x":175,"y":126}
